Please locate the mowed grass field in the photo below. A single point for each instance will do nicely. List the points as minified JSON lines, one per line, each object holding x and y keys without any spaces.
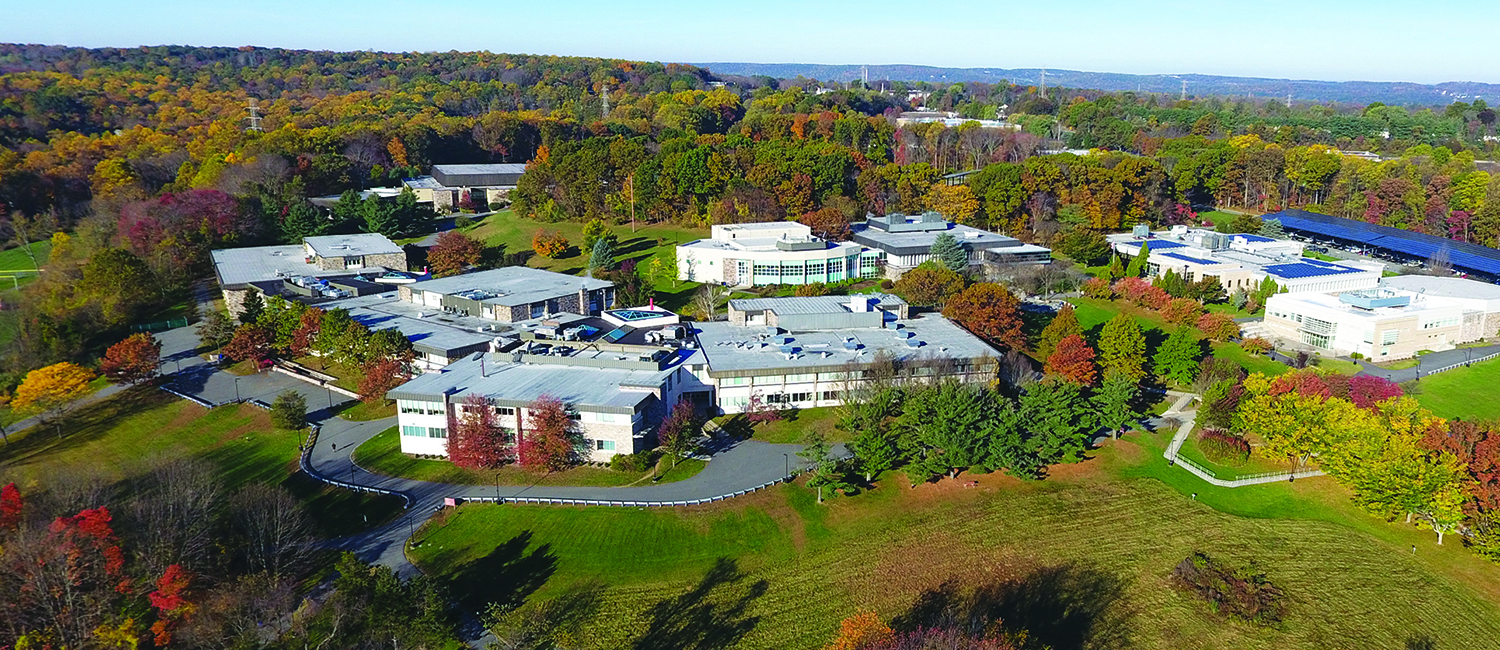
{"x":131,"y":432}
{"x":777,"y":570}
{"x":1468,"y":393}
{"x":506,"y":228}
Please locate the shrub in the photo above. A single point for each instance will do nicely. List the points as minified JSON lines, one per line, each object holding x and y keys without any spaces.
{"x":463,"y":222}
{"x":496,"y":206}
{"x":811,"y":290}
{"x":549,"y":243}
{"x":633,"y":463}
{"x":1221,"y":446}
{"x":887,"y":285}
{"x":1256,"y":345}
{"x":1237,"y":592}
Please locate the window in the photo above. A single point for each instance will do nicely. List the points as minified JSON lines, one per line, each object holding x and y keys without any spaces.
{"x":769,"y":379}
{"x":413,"y":432}
{"x":829,"y":395}
{"x":604,"y":445}
{"x":815,"y":268}
{"x":727,"y":403}
{"x":734,"y":381}
{"x":553,"y":306}
{"x":742,"y":270}
{"x":1389,"y":337}
{"x":538,"y":309}
{"x":437,"y":432}
{"x":777,"y":398}
{"x":504,"y":410}
{"x":802,"y":397}
{"x":835,"y":267}
{"x":794,"y":379}
{"x":772,"y":270}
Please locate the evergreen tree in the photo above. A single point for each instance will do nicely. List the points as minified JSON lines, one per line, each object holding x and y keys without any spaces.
{"x":1122,"y":347}
{"x":348,"y":209}
{"x":253,"y":307}
{"x":948,"y":252}
{"x":1116,"y":269}
{"x":302,"y":220}
{"x":1272,"y":228}
{"x":1007,"y":445}
{"x":411,"y":216}
{"x":603,"y":256}
{"x":1177,"y":360}
{"x":1063,"y":325}
{"x":945,"y":428}
{"x":289,"y":411}
{"x":1112,"y":401}
{"x":1138,"y":263}
{"x":379,"y":217}
{"x":1172,"y":283}
{"x":1059,"y":420}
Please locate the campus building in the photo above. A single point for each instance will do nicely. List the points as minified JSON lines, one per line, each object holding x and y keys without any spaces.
{"x":1403,"y":316}
{"x":782,"y":252}
{"x":329,"y":266}
{"x":807,"y":352}
{"x":906,"y":242}
{"x":1242,"y":261}
{"x":1392,"y":243}
{"x":486,"y":183}
{"x":511,"y":294}
{"x":618,"y":374}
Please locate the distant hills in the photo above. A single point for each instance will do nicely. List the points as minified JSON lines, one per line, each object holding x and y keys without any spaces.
{"x":1358,"y":92}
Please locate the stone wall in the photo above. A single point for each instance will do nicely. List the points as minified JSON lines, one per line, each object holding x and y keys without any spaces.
{"x":445,"y":200}
{"x":234,"y":301}
{"x":393,"y":261}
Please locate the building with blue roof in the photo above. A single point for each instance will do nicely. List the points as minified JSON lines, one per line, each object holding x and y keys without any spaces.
{"x":1243,"y":261}
{"x":1394,"y":242}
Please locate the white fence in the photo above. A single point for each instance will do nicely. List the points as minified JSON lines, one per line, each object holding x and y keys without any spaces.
{"x":557,"y":501}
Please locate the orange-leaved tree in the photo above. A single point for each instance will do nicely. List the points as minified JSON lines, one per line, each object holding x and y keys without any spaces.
{"x":861,"y":631}
{"x":1073,"y":360}
{"x":382,"y":374}
{"x":990,"y":311}
{"x":454,"y":252}
{"x":133,"y":360}
{"x":52,"y":392}
{"x":549,"y":243}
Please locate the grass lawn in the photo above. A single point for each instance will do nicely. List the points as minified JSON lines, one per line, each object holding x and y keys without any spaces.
{"x":358,"y":411}
{"x":1339,"y":365}
{"x":792,"y":430}
{"x":1467,"y":393}
{"x":777,"y":570}
{"x":1217,"y":217}
{"x":1092,"y":313}
{"x":1320,"y":256}
{"x":382,"y":454}
{"x":1256,"y":464}
{"x":1400,"y":365}
{"x":126,"y":434}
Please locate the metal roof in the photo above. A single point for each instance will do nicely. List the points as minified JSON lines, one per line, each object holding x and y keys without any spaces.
{"x":357,"y":244}
{"x":811,"y":305}
{"x":513,"y":285}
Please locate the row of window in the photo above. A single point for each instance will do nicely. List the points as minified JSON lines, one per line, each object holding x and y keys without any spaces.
{"x":782,"y":398}
{"x":785,"y":379}
{"x":423,"y":432}
{"x":1451,"y":321}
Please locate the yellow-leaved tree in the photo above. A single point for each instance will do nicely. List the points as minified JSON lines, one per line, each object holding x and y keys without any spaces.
{"x":51,"y":392}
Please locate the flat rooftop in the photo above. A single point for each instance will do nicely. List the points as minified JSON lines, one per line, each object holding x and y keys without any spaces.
{"x":240,"y":266}
{"x":616,"y":390}
{"x":812,"y":304}
{"x":482,"y":168}
{"x":744,"y":351}
{"x":1445,"y":287}
{"x":513,"y":285}
{"x":431,"y":332}
{"x":918,"y":242}
{"x":1331,"y":301}
{"x":765,"y":244}
{"x":422,"y":183}
{"x":368,"y":243}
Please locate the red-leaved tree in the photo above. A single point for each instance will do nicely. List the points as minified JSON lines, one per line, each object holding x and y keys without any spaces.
{"x":309,"y":324}
{"x":381,"y":375}
{"x":133,"y":360}
{"x":251,"y":342}
{"x":475,"y":438}
{"x":170,"y":602}
{"x":453,"y":252}
{"x":91,"y":547}
{"x":676,"y":433}
{"x":1073,"y":360}
{"x":758,"y":410}
{"x":1306,"y":383}
{"x":1218,"y":327}
{"x":551,"y":441}
{"x":1182,"y":311}
{"x":1368,"y":390}
{"x":11,"y":506}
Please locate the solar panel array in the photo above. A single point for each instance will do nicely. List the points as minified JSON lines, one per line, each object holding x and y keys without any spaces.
{"x":1190,"y":258}
{"x":1463,"y":255}
{"x":1162,"y":244}
{"x":1254,"y":239}
{"x":1307,"y":269}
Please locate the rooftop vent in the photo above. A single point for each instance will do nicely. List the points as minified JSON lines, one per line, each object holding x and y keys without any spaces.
{"x":913,"y":343}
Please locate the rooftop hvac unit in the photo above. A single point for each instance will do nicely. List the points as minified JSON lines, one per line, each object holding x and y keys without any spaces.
{"x":905,"y":334}
{"x":1141,"y":230}
{"x":913,"y":343}
{"x":851,"y":345}
{"x":892,"y":325}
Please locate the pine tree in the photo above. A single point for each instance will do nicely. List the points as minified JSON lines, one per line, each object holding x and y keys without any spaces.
{"x":253,"y":306}
{"x":948,"y":252}
{"x":1112,"y":401}
{"x":603,"y":256}
{"x":1177,"y":359}
{"x":301,"y":221}
{"x":1122,"y":347}
{"x":1272,"y":228}
{"x":1116,"y":269}
{"x":379,"y":217}
{"x":1063,"y":325}
{"x":1138,"y":263}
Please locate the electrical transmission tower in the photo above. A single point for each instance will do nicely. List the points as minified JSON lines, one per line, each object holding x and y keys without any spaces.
{"x":604,"y":95}
{"x":1043,"y":85}
{"x":254,"y":117}
{"x":1184,"y":90}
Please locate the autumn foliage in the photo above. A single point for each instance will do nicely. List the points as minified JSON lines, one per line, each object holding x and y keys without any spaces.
{"x":551,"y":440}
{"x":12,"y":507}
{"x":990,"y":311}
{"x":475,"y":438}
{"x":861,"y":630}
{"x":827,"y":223}
{"x":1073,"y":360}
{"x":250,"y":343}
{"x":170,"y":603}
{"x":1218,"y":327}
{"x":133,"y":360}
{"x":549,"y":243}
{"x":1182,"y":311}
{"x":90,"y":541}
{"x":453,"y":252}
{"x":381,"y":375}
{"x":52,"y":387}
{"x":928,"y":284}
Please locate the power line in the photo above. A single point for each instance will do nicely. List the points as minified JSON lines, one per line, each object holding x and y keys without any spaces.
{"x":254,"y":118}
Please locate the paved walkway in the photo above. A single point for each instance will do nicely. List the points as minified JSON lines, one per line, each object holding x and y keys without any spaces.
{"x":1432,"y":363}
{"x":1190,"y":418}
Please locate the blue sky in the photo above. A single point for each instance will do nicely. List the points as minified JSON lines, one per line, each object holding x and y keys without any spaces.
{"x":1377,"y":40}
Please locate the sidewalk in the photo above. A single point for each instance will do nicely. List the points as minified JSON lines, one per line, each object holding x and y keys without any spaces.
{"x":1186,"y":429}
{"x":1432,"y":363}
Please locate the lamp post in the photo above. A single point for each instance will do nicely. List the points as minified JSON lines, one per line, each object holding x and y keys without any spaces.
{"x":236,"y":389}
{"x":786,"y":464}
{"x":330,"y":397}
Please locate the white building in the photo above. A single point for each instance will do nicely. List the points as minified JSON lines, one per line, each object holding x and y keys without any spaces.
{"x":1404,"y":316}
{"x":907,"y":242}
{"x":511,"y":294}
{"x":781,"y":252}
{"x":617,"y":380}
{"x":1244,"y":261}
{"x":808,"y":352}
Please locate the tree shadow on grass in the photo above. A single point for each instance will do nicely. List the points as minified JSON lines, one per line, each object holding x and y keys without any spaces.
{"x":1063,"y":607}
{"x":710,"y":615}
{"x":507,"y":576}
{"x":82,"y":426}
